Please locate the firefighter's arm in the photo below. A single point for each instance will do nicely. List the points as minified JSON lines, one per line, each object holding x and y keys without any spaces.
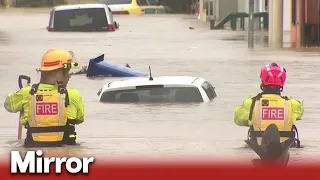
{"x":14,"y":101}
{"x":297,"y":108}
{"x":76,"y":107}
{"x":241,"y":113}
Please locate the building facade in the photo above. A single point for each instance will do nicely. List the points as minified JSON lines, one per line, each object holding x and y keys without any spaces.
{"x":221,"y":8}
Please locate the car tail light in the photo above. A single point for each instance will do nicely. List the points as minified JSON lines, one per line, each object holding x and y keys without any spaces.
{"x":111,"y":27}
{"x":120,"y":12}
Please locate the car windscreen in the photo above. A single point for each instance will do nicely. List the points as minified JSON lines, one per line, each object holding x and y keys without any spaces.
{"x":90,"y":19}
{"x":209,"y":89}
{"x":148,"y":2}
{"x":153,"y":2}
{"x":111,"y":2}
{"x":152,"y":94}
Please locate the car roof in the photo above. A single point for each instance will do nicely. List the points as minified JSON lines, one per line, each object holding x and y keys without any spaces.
{"x":78,"y":6}
{"x":163,"y":80}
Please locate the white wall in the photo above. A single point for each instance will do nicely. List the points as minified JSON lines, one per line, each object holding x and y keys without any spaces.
{"x":259,"y":7}
{"x":226,"y":7}
{"x":243,"y":6}
{"x":286,"y":15}
{"x":262,"y":6}
{"x":216,"y":10}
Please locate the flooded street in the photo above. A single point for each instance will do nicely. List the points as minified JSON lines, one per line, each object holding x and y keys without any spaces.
{"x":166,"y":43}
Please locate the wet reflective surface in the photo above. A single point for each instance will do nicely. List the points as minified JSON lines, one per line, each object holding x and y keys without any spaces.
{"x":166,"y":43}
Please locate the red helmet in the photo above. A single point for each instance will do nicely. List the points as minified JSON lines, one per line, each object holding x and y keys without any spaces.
{"x":273,"y":74}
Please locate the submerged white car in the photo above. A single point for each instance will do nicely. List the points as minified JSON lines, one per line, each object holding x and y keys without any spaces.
{"x":170,"y":89}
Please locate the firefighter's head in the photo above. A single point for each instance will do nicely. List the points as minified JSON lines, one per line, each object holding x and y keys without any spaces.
{"x":55,"y":66}
{"x":273,"y":77}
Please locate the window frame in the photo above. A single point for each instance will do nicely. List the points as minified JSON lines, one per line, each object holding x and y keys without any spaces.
{"x":210,"y":90}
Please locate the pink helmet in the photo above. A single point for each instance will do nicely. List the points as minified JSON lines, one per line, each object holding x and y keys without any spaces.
{"x":273,"y":74}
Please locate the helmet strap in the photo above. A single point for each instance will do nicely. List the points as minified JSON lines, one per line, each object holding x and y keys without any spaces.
{"x":261,"y":86}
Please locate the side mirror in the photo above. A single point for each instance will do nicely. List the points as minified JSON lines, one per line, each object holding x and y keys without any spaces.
{"x":116,"y":24}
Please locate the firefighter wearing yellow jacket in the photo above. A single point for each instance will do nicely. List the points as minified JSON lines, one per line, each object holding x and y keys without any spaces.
{"x":50,"y":110}
{"x":257,"y":112}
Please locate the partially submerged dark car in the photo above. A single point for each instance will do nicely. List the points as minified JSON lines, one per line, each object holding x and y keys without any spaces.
{"x":82,"y":18}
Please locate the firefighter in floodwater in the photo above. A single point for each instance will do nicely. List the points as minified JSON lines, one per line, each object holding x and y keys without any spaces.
{"x":269,"y":106}
{"x":50,"y":109}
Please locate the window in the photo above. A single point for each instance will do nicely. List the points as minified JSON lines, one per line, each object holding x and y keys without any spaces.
{"x":154,"y":94}
{"x":142,"y":2}
{"x":148,"y":2}
{"x":110,"y":2}
{"x":81,"y":20}
{"x":209,"y":89}
{"x":153,"y":2}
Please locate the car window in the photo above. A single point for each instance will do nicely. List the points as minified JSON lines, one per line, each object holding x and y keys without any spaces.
{"x":142,"y":2}
{"x":209,"y":89}
{"x":147,"y":2}
{"x":166,"y":94}
{"x":81,"y":19}
{"x":153,"y":2}
{"x":110,"y":2}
